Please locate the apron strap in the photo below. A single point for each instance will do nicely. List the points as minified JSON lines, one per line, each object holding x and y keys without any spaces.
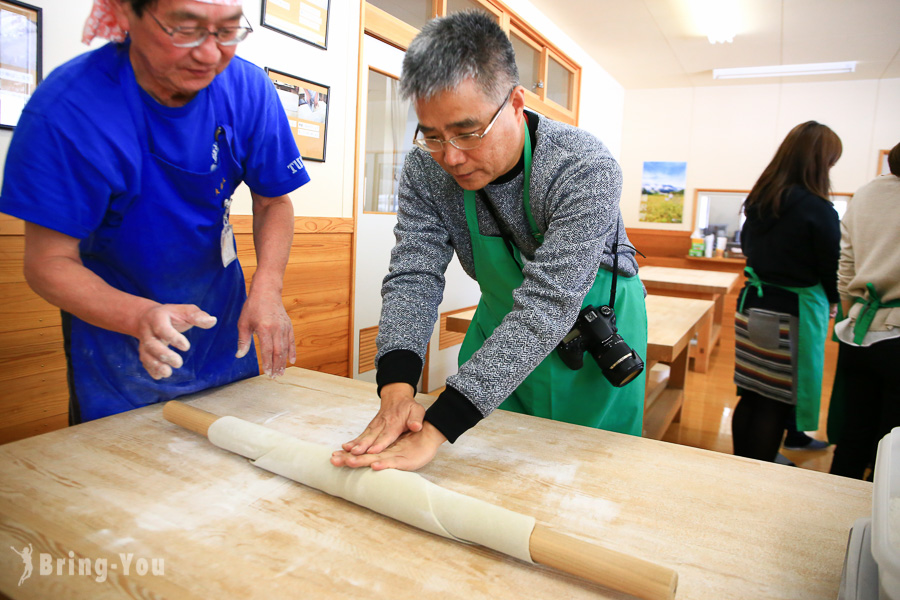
{"x":526,"y":186}
{"x":753,"y":280}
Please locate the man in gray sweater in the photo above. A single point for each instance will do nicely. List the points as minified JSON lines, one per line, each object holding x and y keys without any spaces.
{"x":531,"y":208}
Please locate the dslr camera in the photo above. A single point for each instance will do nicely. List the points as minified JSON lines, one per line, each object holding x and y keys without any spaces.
{"x":595,"y":332}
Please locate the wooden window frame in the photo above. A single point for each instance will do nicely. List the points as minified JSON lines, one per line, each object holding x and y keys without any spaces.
{"x":395,"y":78}
{"x":532,"y":98}
{"x":384,"y":26}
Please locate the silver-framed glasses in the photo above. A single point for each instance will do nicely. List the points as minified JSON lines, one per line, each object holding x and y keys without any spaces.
{"x":467,"y":141}
{"x":191,"y":37}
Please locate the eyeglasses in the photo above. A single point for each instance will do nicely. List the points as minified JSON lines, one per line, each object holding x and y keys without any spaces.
{"x":191,"y":37}
{"x":467,"y":141}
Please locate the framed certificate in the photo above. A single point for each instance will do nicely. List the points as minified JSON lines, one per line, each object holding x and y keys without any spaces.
{"x":305,"y":20}
{"x":20,"y":58}
{"x":306,"y":105}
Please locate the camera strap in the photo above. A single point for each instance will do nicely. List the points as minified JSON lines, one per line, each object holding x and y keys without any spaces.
{"x":612,"y":291}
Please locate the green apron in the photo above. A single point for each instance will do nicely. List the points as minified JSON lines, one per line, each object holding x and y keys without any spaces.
{"x":864,"y":319}
{"x":553,"y":390}
{"x":813,"y":330}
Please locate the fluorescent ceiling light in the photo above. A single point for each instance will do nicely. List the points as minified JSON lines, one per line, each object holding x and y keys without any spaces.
{"x":786,"y":70}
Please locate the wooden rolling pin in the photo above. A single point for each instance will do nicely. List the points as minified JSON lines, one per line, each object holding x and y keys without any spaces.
{"x":611,"y":569}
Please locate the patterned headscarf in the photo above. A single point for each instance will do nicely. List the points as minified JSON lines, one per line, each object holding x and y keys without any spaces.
{"x":102,"y":21}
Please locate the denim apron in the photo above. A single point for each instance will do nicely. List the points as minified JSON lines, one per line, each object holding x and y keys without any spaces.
{"x":553,"y":390}
{"x":165,"y":244}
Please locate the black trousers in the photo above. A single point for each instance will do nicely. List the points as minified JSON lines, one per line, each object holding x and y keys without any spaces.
{"x":871,"y":406}
{"x":758,"y":424}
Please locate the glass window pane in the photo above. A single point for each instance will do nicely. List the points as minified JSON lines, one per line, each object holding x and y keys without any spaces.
{"x":390,"y":126}
{"x":529,"y":62}
{"x":454,"y":6}
{"x":411,"y":12}
{"x":560,"y":82}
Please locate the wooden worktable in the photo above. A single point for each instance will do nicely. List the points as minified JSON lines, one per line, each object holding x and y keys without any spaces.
{"x":136,"y":484}
{"x":695,"y":283}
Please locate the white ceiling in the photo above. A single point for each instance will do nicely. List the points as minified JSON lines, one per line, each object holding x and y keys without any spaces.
{"x":656,"y":44}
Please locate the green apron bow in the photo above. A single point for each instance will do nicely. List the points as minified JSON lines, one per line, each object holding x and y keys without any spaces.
{"x":552,"y":390}
{"x":867,"y":313}
{"x":836,"y":410}
{"x":813,"y":330}
{"x":754,"y":281}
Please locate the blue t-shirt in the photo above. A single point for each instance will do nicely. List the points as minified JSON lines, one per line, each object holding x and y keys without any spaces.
{"x":75,"y":165}
{"x":75,"y":148}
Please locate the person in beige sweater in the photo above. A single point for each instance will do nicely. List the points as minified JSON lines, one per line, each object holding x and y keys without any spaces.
{"x":866,"y":398}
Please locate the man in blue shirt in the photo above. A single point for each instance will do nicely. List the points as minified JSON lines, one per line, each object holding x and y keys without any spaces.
{"x":123,"y":165}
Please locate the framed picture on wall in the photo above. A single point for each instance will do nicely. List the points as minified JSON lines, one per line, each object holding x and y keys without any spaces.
{"x":305,"y":20}
{"x":306,"y":105}
{"x":662,"y":192}
{"x":882,"y":162}
{"x":20,"y":58}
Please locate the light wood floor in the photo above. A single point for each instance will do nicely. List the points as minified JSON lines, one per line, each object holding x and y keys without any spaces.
{"x":710,"y":400}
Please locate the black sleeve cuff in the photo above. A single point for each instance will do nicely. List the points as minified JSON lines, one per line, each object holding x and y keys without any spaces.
{"x":453,"y":414}
{"x":398,"y":366}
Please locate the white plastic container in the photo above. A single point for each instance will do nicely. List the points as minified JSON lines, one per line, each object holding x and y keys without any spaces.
{"x":859,"y":579}
{"x":885,"y":526}
{"x":710,"y":241}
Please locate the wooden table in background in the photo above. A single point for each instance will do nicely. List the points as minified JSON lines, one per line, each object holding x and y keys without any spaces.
{"x":459,"y":322}
{"x":695,"y":283}
{"x":136,"y":485}
{"x":671,"y":324}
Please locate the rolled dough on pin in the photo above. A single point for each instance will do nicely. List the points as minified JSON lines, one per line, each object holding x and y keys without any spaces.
{"x":401,"y":495}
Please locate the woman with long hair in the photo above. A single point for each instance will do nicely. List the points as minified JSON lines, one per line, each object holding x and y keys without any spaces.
{"x":791,"y":239}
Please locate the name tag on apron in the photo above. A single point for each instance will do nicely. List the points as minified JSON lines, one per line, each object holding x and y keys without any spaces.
{"x":229,"y":253}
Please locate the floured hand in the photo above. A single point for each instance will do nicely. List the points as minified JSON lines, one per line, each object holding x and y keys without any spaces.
{"x":412,"y":450}
{"x":161,"y":327}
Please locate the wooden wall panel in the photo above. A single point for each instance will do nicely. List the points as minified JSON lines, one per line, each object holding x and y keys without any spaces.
{"x":32,"y":397}
{"x":31,"y":351}
{"x":317,"y":296}
{"x":367,"y":348}
{"x":665,"y":248}
{"x":21,"y":308}
{"x":660,"y":243}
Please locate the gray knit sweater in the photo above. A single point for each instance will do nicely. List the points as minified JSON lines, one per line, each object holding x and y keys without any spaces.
{"x":575,"y":189}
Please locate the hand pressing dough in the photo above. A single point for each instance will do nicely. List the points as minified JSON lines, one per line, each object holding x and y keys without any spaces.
{"x":401,"y":495}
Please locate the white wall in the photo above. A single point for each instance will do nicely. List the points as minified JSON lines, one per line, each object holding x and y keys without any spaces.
{"x":330,"y":191}
{"x":727,"y":135}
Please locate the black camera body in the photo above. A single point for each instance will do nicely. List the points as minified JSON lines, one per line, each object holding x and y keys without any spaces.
{"x":595,"y":332}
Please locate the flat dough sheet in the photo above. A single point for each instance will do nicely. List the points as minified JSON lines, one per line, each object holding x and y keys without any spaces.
{"x":401,"y":495}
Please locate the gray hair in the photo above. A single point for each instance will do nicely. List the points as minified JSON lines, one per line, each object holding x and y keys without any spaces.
{"x":451,"y":49}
